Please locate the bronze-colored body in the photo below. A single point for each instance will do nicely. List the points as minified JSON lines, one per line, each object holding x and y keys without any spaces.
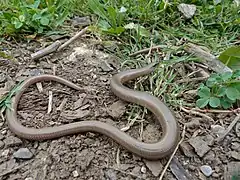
{"x":152,"y":151}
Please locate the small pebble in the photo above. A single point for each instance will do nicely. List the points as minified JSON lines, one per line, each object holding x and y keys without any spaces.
{"x":143,"y":169}
{"x":217,"y":129}
{"x":235,"y":155}
{"x":23,"y":153}
{"x":1,"y":144}
{"x":191,"y":167}
{"x":29,"y":178}
{"x":206,"y":170}
{"x":4,"y":132}
{"x":5,"y":152}
{"x":75,"y":173}
{"x":94,"y":76}
{"x":235,"y":146}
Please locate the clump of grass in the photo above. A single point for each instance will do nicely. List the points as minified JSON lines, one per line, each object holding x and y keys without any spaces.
{"x":5,"y":100}
{"x":32,"y":17}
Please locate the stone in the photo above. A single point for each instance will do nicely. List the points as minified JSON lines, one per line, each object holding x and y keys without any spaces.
{"x":154,"y":166}
{"x":235,"y":155}
{"x":23,"y":153}
{"x":188,"y":10}
{"x":201,"y":147}
{"x":75,"y":173}
{"x":186,"y":149}
{"x":1,"y":144}
{"x":206,"y":170}
{"x":143,"y":169}
{"x":217,"y":129}
{"x":12,"y":141}
{"x":235,"y":146}
{"x":117,"y":109}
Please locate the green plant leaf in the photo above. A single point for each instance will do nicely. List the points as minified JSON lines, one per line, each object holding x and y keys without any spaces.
{"x":232,"y":93}
{"x":117,"y":30}
{"x":112,"y":16}
{"x":18,"y":24}
{"x":231,"y":57}
{"x":226,"y":76}
{"x":36,"y":16}
{"x":204,"y":92}
{"x":225,"y":104}
{"x":236,"y":74}
{"x":221,"y":91}
{"x":214,"y":102}
{"x":44,"y":21}
{"x":201,"y":103}
{"x":97,"y":8}
{"x":21,"y":18}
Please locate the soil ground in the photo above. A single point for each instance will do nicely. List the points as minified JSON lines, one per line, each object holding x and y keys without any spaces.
{"x":94,"y":156}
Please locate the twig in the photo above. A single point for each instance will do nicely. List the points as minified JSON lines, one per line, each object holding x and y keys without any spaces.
{"x":54,"y":69}
{"x":60,"y":107}
{"x":118,"y":157}
{"x":192,"y":79}
{"x":196,"y":113}
{"x":175,"y":150}
{"x":83,"y":31}
{"x":50,"y":102}
{"x":216,"y":110}
{"x":39,"y":87}
{"x":220,"y":138}
{"x":53,"y":47}
{"x":1,"y":112}
{"x":211,"y":61}
{"x":144,"y":51}
{"x":14,"y":169}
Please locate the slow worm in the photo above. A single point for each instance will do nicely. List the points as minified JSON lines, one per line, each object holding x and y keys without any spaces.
{"x":151,"y":151}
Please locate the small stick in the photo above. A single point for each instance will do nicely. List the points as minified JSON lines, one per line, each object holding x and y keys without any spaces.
{"x":83,"y":31}
{"x":233,"y":123}
{"x":60,"y":107}
{"x":39,"y":87}
{"x":216,"y":110}
{"x":50,"y":102}
{"x":118,"y":157}
{"x":54,"y":69}
{"x":48,"y":50}
{"x":1,"y":112}
{"x":146,"y":50}
{"x":14,"y":169}
{"x":196,"y":113}
{"x":192,"y":79}
{"x":174,"y":152}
